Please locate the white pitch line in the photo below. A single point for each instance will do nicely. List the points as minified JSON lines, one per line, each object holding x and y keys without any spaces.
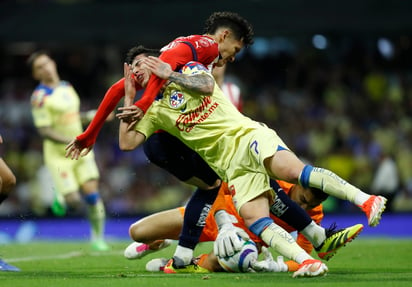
{"x":60,"y":256}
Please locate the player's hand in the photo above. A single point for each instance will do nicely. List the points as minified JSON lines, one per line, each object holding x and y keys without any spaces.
{"x":161,"y":69}
{"x":228,"y":240}
{"x":268,"y":264}
{"x":74,"y":150}
{"x":131,"y":114}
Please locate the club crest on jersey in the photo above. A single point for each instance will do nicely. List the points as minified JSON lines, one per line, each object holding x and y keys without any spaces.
{"x":176,"y":99}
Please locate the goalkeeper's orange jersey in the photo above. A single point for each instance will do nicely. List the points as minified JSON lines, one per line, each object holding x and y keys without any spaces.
{"x":224,"y":201}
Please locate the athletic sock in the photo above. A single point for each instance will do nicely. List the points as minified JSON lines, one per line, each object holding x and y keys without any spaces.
{"x":281,"y":241}
{"x":314,"y":233}
{"x":97,"y":217}
{"x":184,"y":254}
{"x":288,"y":210}
{"x":330,"y":183}
{"x":294,"y":215}
{"x":194,"y":219}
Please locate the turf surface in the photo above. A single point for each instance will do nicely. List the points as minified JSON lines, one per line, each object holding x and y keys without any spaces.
{"x":364,"y":262}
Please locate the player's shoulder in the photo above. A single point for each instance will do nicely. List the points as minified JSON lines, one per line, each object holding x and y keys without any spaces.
{"x":194,"y":67}
{"x":198,"y":41}
{"x":66,"y":84}
{"x":40,"y":94}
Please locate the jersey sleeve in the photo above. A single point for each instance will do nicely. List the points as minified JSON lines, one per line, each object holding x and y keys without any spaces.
{"x":177,"y":53}
{"x":317,"y":215}
{"x":107,"y":105}
{"x":176,"y":57}
{"x":40,"y":113}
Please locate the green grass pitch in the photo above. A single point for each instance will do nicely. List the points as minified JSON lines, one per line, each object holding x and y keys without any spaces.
{"x":364,"y":262}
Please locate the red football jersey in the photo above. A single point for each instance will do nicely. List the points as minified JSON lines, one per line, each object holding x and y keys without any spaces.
{"x":177,"y":53}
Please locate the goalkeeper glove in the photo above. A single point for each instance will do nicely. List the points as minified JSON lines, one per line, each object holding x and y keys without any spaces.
{"x":229,"y":238}
{"x":268,"y":264}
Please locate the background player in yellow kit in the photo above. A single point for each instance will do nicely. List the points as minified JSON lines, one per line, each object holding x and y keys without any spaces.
{"x":56,"y":114}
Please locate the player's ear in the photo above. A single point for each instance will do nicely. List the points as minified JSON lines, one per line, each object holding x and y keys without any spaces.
{"x":222,"y":35}
{"x":226,"y":33}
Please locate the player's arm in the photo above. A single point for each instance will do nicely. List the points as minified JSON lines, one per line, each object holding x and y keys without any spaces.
{"x":83,"y":143}
{"x":202,"y":83}
{"x":176,"y":55}
{"x":112,"y":97}
{"x":50,"y":134}
{"x":129,"y":139}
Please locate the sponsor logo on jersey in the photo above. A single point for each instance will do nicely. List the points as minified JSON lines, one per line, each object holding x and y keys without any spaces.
{"x":176,"y":99}
{"x":187,"y":121}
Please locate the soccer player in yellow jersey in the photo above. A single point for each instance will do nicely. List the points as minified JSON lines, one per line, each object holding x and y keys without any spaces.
{"x":242,"y":152}
{"x":217,"y":131}
{"x":56,"y":113}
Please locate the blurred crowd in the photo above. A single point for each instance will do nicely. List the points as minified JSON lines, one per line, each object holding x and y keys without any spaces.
{"x":346,"y":108}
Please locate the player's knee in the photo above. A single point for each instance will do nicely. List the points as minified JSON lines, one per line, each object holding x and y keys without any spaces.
{"x":92,"y":198}
{"x":260,"y":225}
{"x":73,"y":201}
{"x":305,"y":175}
{"x":136,"y":233}
{"x":7,"y":183}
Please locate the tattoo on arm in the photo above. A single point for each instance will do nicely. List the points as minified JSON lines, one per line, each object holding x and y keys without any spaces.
{"x":200,"y":83}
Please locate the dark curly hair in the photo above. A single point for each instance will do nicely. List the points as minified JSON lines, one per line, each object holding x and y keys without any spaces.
{"x":241,"y":28}
{"x":137,"y":50}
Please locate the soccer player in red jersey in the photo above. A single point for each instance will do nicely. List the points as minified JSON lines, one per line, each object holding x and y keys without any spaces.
{"x":226,"y":33}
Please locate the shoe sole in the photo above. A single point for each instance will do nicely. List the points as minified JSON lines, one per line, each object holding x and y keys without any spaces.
{"x":307,"y":273}
{"x":376,"y":219}
{"x":168,"y":269}
{"x":328,"y":255}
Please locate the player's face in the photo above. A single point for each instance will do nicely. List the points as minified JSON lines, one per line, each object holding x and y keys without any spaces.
{"x":44,"y":69}
{"x":140,"y":72}
{"x":228,"y":48}
{"x":304,"y":197}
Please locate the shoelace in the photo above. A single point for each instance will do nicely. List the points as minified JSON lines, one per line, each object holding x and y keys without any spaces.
{"x":332,"y":230}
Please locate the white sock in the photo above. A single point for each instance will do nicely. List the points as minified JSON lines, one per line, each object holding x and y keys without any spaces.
{"x":184,"y":253}
{"x":360,"y":198}
{"x":314,"y":233}
{"x":280,"y":240}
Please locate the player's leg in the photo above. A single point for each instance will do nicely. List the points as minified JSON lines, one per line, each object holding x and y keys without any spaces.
{"x":154,"y":232}
{"x":7,"y":180}
{"x":7,"y":184}
{"x":65,"y":184}
{"x":96,"y":214}
{"x":285,"y":165}
{"x":87,"y":175}
{"x":171,"y":154}
{"x":255,"y":212}
{"x":326,"y":241}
